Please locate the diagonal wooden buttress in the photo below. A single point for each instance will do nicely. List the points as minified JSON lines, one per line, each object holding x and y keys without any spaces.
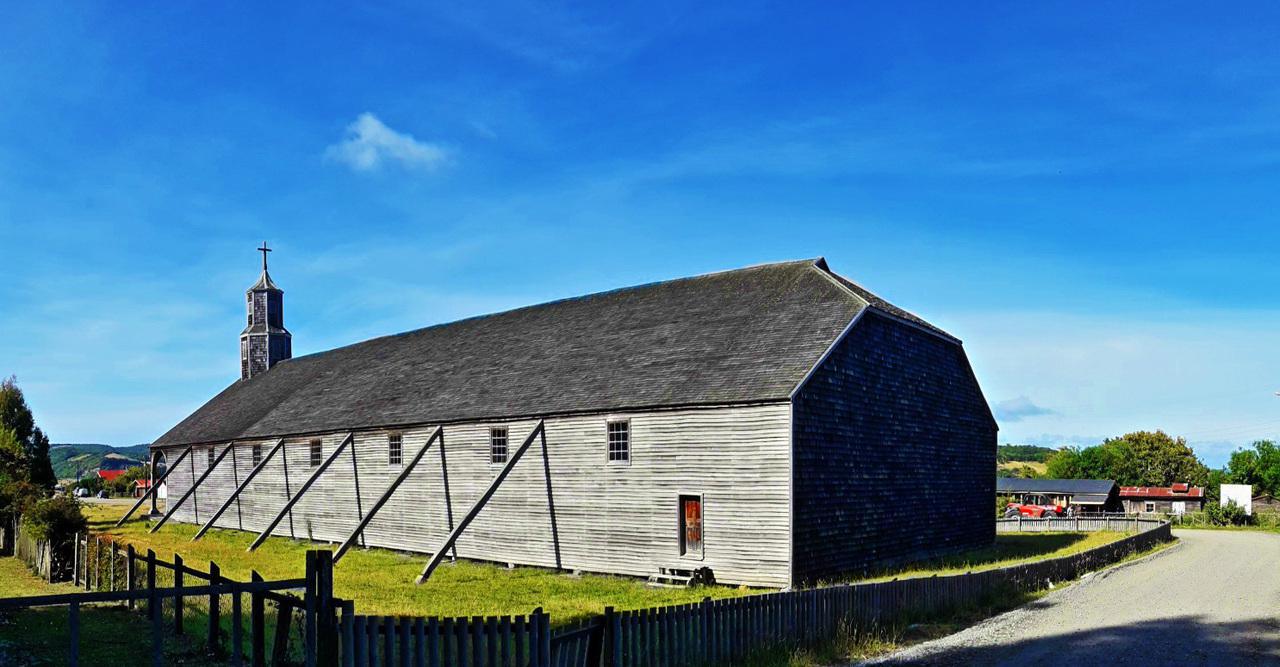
{"x":484,"y":499}
{"x":203,"y":476}
{"x":298,"y":496}
{"x":154,"y":486}
{"x":386,"y":494}
{"x":241,"y":487}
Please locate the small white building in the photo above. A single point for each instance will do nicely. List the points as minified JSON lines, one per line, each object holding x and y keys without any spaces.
{"x":1242,"y":494}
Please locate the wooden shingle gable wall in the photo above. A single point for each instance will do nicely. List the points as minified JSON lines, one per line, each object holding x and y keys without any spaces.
{"x":893,"y":452}
{"x":609,"y":517}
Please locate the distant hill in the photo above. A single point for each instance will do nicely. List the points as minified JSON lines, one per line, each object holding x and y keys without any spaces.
{"x":73,"y":461}
{"x":1009,"y":453}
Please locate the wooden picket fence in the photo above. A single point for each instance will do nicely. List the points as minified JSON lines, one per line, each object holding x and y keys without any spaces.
{"x":1079,"y":524}
{"x":707,"y":633}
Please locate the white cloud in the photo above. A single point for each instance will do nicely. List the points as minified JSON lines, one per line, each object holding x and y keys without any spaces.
{"x":369,"y":144}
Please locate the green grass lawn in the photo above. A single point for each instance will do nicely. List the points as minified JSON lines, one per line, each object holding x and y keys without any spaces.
{"x":1009,"y":549}
{"x":381,"y":581}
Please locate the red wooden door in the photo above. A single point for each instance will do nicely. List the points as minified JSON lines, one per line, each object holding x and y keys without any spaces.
{"x":690,"y":525}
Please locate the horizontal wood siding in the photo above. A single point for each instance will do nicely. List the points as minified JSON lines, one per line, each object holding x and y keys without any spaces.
{"x":894,"y":453}
{"x":609,"y":517}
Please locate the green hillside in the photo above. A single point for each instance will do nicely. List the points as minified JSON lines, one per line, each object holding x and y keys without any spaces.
{"x":73,"y":461}
{"x":1007,"y":453}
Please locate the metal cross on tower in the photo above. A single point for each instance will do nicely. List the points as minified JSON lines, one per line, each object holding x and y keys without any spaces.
{"x":264,"y":250}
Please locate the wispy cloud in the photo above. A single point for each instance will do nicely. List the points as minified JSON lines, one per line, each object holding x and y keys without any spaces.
{"x":369,"y":144}
{"x":1017,"y":409}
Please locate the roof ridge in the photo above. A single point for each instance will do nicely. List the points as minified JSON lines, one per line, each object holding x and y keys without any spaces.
{"x":582,"y":297}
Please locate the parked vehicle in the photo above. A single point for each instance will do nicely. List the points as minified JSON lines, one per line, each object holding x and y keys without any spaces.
{"x":1037,"y":507}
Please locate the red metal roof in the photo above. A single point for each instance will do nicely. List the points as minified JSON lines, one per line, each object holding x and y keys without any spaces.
{"x":1161,"y":491}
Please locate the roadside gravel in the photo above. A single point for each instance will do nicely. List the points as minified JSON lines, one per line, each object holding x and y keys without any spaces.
{"x":1212,"y":600}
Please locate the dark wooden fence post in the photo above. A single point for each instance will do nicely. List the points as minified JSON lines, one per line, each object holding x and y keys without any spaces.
{"x":153,"y":608}
{"x":115,"y":555}
{"x":177,"y":599}
{"x":257,"y":623}
{"x":324,"y":611}
{"x":237,"y":638}
{"x":130,"y":575}
{"x":215,"y":613}
{"x":607,"y":646}
{"x":151,"y":585}
{"x":75,"y":560}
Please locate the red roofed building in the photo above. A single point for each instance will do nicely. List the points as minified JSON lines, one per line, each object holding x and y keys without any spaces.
{"x":110,"y":475}
{"x":1176,"y":499}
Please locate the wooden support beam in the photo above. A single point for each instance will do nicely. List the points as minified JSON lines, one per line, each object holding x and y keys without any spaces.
{"x":243,"y":485}
{"x":203,"y":476}
{"x":484,"y":499}
{"x":298,"y":496}
{"x":155,"y":485}
{"x":386,"y":495}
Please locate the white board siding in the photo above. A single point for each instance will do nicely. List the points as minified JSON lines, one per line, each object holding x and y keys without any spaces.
{"x":610,"y":517}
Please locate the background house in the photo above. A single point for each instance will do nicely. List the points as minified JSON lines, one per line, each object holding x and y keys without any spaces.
{"x":1176,"y":499}
{"x":1085,"y":495}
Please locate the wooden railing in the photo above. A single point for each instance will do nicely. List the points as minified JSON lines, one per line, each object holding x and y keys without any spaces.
{"x":1078,"y":524}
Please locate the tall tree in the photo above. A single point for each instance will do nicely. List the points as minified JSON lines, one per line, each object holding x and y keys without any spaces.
{"x":1259,"y":466}
{"x":1141,"y":458}
{"x":16,"y":417}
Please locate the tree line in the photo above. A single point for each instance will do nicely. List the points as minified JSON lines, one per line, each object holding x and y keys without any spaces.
{"x":1155,"y":458}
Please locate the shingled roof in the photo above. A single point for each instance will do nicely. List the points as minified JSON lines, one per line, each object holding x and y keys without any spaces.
{"x":742,"y":336}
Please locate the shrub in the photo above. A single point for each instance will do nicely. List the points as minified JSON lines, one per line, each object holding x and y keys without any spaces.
{"x":1230,"y":514}
{"x":55,"y":520}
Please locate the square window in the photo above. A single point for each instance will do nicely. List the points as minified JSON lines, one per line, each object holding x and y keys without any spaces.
{"x":619,"y":436}
{"x":1151,"y":507}
{"x":316,"y":452}
{"x":257,"y":454}
{"x":395,"y":449}
{"x":498,"y":445}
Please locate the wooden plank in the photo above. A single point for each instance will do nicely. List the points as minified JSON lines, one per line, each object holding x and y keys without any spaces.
{"x":298,"y":496}
{"x":257,"y":624}
{"x":155,"y":485}
{"x":215,"y":612}
{"x":195,"y":485}
{"x":386,"y":495}
{"x":177,"y":599}
{"x":475,"y":509}
{"x":241,"y":487}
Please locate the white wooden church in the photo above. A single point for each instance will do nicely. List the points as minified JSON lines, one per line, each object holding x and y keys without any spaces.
{"x":774,"y":424}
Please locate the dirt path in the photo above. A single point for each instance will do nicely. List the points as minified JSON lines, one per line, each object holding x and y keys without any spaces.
{"x":1212,"y":600}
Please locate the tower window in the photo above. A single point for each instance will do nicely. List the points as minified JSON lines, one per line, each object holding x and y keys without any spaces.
{"x":619,"y":441}
{"x":210,"y":457}
{"x":316,"y":452}
{"x":395,"y":449}
{"x":498,"y":444}
{"x":257,"y":454}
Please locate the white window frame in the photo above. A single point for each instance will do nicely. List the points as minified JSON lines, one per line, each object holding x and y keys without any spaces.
{"x":608,"y":452}
{"x":506,"y":444}
{"x":255,"y":454}
{"x":395,"y":455}
{"x":1149,"y":506}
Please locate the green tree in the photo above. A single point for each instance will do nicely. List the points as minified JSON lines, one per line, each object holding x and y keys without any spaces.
{"x":1065,"y":463}
{"x":1259,"y":466}
{"x":1154,"y":458}
{"x":17,"y":418}
{"x":17,"y":493}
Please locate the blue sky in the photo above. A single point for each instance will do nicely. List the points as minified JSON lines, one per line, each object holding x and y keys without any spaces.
{"x":1087,"y":199}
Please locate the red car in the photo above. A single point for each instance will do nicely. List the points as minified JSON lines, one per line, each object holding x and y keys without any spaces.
{"x":1036,"y":507}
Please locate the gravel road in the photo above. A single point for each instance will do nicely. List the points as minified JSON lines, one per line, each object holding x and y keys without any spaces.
{"x":1214,"y":599}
